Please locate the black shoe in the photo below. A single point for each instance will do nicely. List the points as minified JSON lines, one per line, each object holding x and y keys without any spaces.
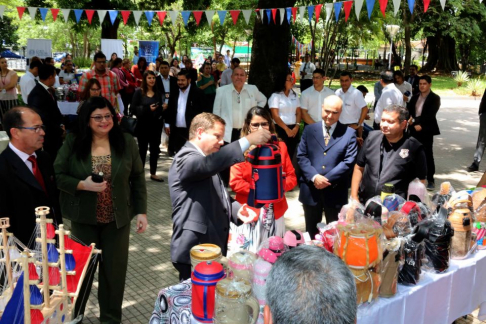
{"x":473,"y":167}
{"x":430,"y":186}
{"x":156,"y":179}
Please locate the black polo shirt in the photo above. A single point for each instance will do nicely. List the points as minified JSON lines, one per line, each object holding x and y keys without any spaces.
{"x":397,"y":163}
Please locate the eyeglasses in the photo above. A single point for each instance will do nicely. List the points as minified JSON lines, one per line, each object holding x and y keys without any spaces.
{"x":100,"y":118}
{"x":100,"y":62}
{"x":257,"y":125}
{"x":95,"y":89}
{"x":34,"y":128}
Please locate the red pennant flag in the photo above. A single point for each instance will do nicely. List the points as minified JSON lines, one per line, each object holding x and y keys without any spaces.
{"x":294,"y":12}
{"x":197,"y":16}
{"x":89,"y":14}
{"x":318,"y":12}
{"x":54,"y":13}
{"x":274,"y":14}
{"x":426,"y":5}
{"x":383,"y":4}
{"x":125,"y":14}
{"x":161,"y":15}
{"x":347,"y":9}
{"x":20,"y":10}
{"x":234,"y":15}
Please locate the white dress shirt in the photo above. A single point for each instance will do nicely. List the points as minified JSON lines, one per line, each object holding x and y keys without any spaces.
{"x":27,"y":83}
{"x":181,"y":108}
{"x":23,"y":156}
{"x":389,"y":96}
{"x":242,"y":102}
{"x":353,"y":103}
{"x":226,"y":77}
{"x":324,"y":132}
{"x":308,"y":68}
{"x":312,"y":100}
{"x":287,"y":106}
{"x":66,"y":76}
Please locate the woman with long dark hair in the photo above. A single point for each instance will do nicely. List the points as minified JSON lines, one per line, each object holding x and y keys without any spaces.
{"x":147,"y":106}
{"x":139,"y":69}
{"x":101,"y":212}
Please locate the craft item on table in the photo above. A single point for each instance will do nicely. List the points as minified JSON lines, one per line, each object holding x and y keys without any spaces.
{"x":261,"y":269}
{"x":72,"y":94}
{"x":173,"y":304}
{"x":241,"y":264}
{"x":233,"y":297}
{"x":276,"y":245}
{"x":386,"y":190}
{"x":479,"y":228}
{"x":205,"y":252}
{"x":480,"y":212}
{"x":412,"y":210}
{"x":398,"y":225}
{"x":461,"y":220}
{"x":393,"y":201}
{"x":460,"y":200}
{"x":478,"y":198}
{"x":443,"y":195}
{"x":417,"y":191}
{"x":351,"y":212}
{"x":376,"y":211}
{"x":414,"y":253}
{"x":392,"y":257}
{"x":268,"y":227}
{"x":293,"y":238}
{"x":424,"y":210}
{"x":204,"y":279}
{"x":327,"y":235}
{"x":249,"y":236}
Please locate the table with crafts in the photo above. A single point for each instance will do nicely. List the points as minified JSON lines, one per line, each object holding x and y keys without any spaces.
{"x":71,"y":107}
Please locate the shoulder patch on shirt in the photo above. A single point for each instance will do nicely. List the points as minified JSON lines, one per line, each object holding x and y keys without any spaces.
{"x":404,"y":153}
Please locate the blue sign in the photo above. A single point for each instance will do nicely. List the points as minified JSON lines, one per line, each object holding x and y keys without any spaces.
{"x":149,"y":50}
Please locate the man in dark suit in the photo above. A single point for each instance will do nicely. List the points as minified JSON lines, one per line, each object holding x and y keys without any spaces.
{"x":201,"y":207}
{"x":481,"y":143}
{"x":184,"y":104}
{"x":413,"y":78}
{"x":165,"y":83}
{"x":423,"y":108}
{"x":43,"y":99}
{"x":326,"y":156}
{"x":26,"y":175}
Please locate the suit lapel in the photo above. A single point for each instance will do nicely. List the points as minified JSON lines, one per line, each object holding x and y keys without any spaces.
{"x":337,"y":135}
{"x":22,"y":170}
{"x":319,"y":135}
{"x":115,"y":163}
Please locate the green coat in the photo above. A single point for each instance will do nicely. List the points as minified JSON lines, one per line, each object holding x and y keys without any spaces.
{"x":129,"y":193}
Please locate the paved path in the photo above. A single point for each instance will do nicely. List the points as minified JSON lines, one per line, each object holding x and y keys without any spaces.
{"x":150,"y":269}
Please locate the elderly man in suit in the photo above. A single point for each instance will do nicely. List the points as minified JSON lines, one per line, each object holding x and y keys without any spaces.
{"x":423,"y":108}
{"x":201,"y":206}
{"x":326,"y":156}
{"x":26,"y":174}
{"x":43,"y":99}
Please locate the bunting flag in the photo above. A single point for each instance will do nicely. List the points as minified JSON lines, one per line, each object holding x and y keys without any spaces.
{"x":234,"y":15}
{"x":137,"y":14}
{"x":442,"y":3}
{"x":427,"y":3}
{"x":337,"y":9}
{"x":274,"y":14}
{"x":247,"y":15}
{"x":289,"y":14}
{"x":173,"y":16}
{"x":101,"y":15}
{"x":54,"y":13}
{"x":347,"y":9}
{"x":261,"y":13}
{"x":396,"y":7}
{"x":150,"y":16}
{"x":89,"y":14}
{"x":222,"y":16}
{"x":318,"y":12}
{"x":43,"y":12}
{"x":185,"y":16}
{"x":282,"y":15}
{"x":294,"y":12}
{"x":65,"y":14}
{"x":78,"y":13}
{"x":197,"y":16}
{"x":411,"y":4}
{"x":383,"y":4}
{"x":209,"y":16}
{"x":21,"y":10}
{"x":2,"y":9}
{"x":328,"y":11}
{"x":113,"y":14}
{"x":161,"y":15}
{"x":369,"y":6}
{"x":268,"y":16}
{"x":310,"y":12}
{"x":125,"y":15}
{"x":301,"y":13}
{"x":32,"y":12}
{"x":358,"y":4}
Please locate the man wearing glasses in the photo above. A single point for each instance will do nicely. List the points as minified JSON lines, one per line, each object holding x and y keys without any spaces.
{"x":312,"y":99}
{"x":108,"y":80}
{"x":26,"y":174}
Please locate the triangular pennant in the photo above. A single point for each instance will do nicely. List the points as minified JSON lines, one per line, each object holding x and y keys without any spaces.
{"x":54,"y":12}
{"x":222,"y":15}
{"x":150,"y":16}
{"x":310,"y":12}
{"x":294,"y":12}
{"x":78,"y":13}
{"x":358,"y":4}
{"x":269,"y":12}
{"x":289,"y":14}
{"x":328,"y":11}
{"x":282,"y":14}
{"x":209,"y":16}
{"x":197,"y":16}
{"x":427,"y":3}
{"x":20,"y":10}
{"x":274,"y":14}
{"x":173,"y":16}
{"x":318,"y":12}
{"x":347,"y":9}
{"x":411,"y":4}
{"x":396,"y":7}
{"x":247,"y":15}
{"x":32,"y":12}
{"x":113,"y":14}
{"x":161,"y":15}
{"x":43,"y":12}
{"x":65,"y":14}
{"x":442,"y":4}
{"x":101,"y":15}
{"x":383,"y":4}
{"x":234,"y":15}
{"x":301,"y":13}
{"x":137,"y":14}
{"x":369,"y":6}
{"x":185,"y":16}
{"x":89,"y":14}
{"x":337,"y":9}
{"x":2,"y":9}
{"x":125,"y":15}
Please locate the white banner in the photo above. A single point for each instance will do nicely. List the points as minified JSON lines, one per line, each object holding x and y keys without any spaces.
{"x":442,"y":3}
{"x":41,"y":48}
{"x":110,"y":46}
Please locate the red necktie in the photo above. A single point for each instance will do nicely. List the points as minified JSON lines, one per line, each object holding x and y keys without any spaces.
{"x":37,"y":172}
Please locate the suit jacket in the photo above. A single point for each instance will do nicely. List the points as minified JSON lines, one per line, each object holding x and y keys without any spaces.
{"x":40,"y":99}
{"x":194,"y":106}
{"x":129,"y":193}
{"x":414,"y":83}
{"x":201,"y":212}
{"x":428,"y":119}
{"x":334,"y":161}
{"x":482,"y":105}
{"x":21,"y":193}
{"x":160,"y":85}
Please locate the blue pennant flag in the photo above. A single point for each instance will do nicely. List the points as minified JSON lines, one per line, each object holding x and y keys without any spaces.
{"x":150,"y":16}
{"x":369,"y":5}
{"x":43,"y":12}
{"x":411,"y":3}
{"x":113,"y":15}
{"x":289,"y":14}
{"x":185,"y":16}
{"x":337,"y":9}
{"x":78,"y":13}
{"x":310,"y":11}
{"x":222,"y":15}
{"x":269,"y":15}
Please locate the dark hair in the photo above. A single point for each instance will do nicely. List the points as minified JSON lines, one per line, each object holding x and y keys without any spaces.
{"x":164,"y":63}
{"x":206,"y":64}
{"x":99,"y":55}
{"x":414,"y":66}
{"x":159,"y":59}
{"x":116,"y":62}
{"x":144,"y":82}
{"x":427,"y":78}
{"x":113,"y":53}
{"x":403,"y":113}
{"x":386,"y":77}
{"x":35,"y":64}
{"x":85,"y":95}
{"x":282,"y":81}
{"x":235,"y":60}
{"x":46,"y":60}
{"x":319,"y":71}
{"x":13,"y":118}
{"x":346,"y":73}
{"x":257,"y":111}
{"x":84,"y":135}
{"x":362,"y":88}
{"x":45,"y":71}
{"x":398,"y":73}
{"x":184,"y":72}
{"x":142,"y":61}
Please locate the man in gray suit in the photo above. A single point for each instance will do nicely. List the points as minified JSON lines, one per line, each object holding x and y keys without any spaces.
{"x":201,"y":207}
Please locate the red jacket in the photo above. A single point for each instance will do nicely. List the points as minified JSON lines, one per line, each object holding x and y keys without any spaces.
{"x":130,"y":80}
{"x":240,"y":179}
{"x":138,"y":75}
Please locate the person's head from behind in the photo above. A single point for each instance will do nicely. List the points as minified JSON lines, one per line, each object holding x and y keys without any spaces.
{"x":24,"y":128}
{"x":148,"y":81}
{"x":235,"y":62}
{"x":363,"y":89}
{"x":50,"y":60}
{"x":207,"y":132}
{"x":331,"y":109}
{"x":398,"y":77}
{"x":91,"y":89}
{"x":346,"y":78}
{"x":318,"y":78}
{"x":116,"y":63}
{"x":256,"y":118}
{"x":183,"y":79}
{"x":394,"y":122}
{"x":164,"y":69}
{"x":310,"y":285}
{"x":386,"y":77}
{"x":34,"y":67}
{"x":47,"y":74}
{"x":425,"y":82}
{"x":100,"y":62}
{"x":413,"y":69}
{"x":142,"y":64}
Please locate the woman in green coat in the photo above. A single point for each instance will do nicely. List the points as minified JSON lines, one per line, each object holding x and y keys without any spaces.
{"x":100,"y":212}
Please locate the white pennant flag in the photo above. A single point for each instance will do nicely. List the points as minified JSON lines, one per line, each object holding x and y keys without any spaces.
{"x":329,"y":7}
{"x":173,"y":16}
{"x":247,"y":15}
{"x":358,"y":4}
{"x":32,"y":12}
{"x":65,"y":14}
{"x":101,"y":15}
{"x":396,"y":6}
{"x":282,"y":15}
{"x":262,"y":14}
{"x":2,"y":9}
{"x":136,"y":15}
{"x":301,"y":13}
{"x":442,"y":3}
{"x":209,"y":16}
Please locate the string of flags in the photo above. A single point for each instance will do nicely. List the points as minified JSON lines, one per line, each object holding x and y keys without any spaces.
{"x":285,"y":14}
{"x":302,"y":48}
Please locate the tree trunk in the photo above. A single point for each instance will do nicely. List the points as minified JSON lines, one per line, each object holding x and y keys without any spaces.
{"x":109,"y":31}
{"x":433,"y":56}
{"x":442,"y":54}
{"x":408,"y":48}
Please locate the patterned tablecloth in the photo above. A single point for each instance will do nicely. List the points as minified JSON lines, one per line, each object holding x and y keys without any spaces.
{"x":173,"y":305}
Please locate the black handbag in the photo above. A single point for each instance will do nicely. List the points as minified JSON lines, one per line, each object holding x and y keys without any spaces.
{"x":128,"y":124}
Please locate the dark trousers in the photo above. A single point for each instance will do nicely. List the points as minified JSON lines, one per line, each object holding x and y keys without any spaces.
{"x":291,"y":142}
{"x":210,"y":101}
{"x":184,"y":270}
{"x":177,"y":138}
{"x":313,"y":216}
{"x":478,"y":154}
{"x":150,"y":136}
{"x":305,"y":83}
{"x":225,"y":174}
{"x":113,"y":243}
{"x":428,"y":143}
{"x":127,"y":100}
{"x":376,"y":126}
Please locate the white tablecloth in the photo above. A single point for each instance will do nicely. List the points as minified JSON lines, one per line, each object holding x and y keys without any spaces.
{"x":438,"y":298}
{"x":68,"y":108}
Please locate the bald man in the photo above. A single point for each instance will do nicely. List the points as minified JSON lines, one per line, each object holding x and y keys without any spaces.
{"x":326,"y":155}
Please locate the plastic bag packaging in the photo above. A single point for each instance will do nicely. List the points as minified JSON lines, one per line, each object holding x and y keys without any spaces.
{"x":275,"y":244}
{"x":375,"y":209}
{"x":414,"y":253}
{"x":413,"y":211}
{"x":392,"y":258}
{"x":241,"y":264}
{"x":460,"y":200}
{"x":462,"y":220}
{"x":442,"y":196}
{"x":261,"y":269}
{"x":352,"y":212}
{"x":327,"y":235}
{"x":368,"y":284}
{"x":417,"y":192}
{"x":478,"y":199}
{"x":479,"y":229}
{"x":392,"y":202}
{"x":293,"y":238}
{"x":398,"y":225}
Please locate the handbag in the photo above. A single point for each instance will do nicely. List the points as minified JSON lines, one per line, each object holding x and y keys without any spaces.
{"x":128,"y":124}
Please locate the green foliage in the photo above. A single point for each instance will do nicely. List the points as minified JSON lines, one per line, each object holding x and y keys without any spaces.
{"x":8,"y":34}
{"x":82,"y":62}
{"x":461,"y":77}
{"x":475,"y":87}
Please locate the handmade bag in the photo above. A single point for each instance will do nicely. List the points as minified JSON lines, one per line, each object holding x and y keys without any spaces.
{"x":389,"y":267}
{"x":461,"y":221}
{"x":367,"y":285}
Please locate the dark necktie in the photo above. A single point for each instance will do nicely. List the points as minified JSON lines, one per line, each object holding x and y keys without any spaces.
{"x":37,"y":172}
{"x":328,"y":135}
{"x":52,"y":92}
